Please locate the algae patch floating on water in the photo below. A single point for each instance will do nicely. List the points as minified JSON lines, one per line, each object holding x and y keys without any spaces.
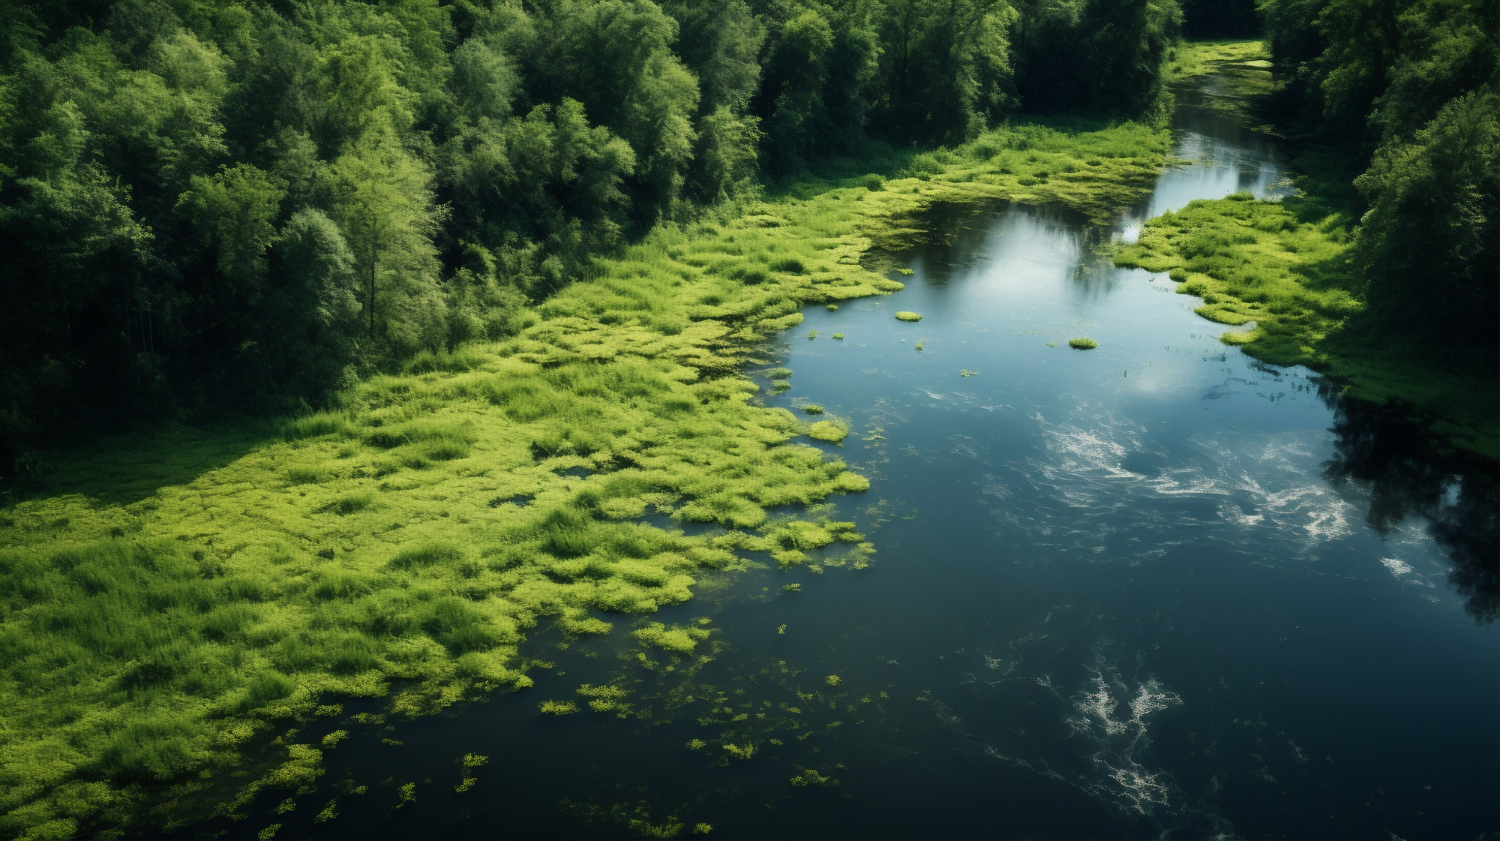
{"x":832,"y":431}
{"x":908,"y":316}
{"x":1082,"y":344}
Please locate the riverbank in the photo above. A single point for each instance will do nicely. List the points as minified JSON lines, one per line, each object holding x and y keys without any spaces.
{"x":179,"y":602}
{"x":1278,"y":270}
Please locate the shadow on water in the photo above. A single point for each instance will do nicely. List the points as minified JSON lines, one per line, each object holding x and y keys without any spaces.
{"x":1387,"y":453}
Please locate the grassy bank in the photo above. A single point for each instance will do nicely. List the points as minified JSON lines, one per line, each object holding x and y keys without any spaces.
{"x":1281,"y":267}
{"x":175,"y":604}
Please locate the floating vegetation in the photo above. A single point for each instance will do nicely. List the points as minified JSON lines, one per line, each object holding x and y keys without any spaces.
{"x":1082,"y":344}
{"x":781,"y":629}
{"x":833,"y":430}
{"x":906,"y":271}
{"x":966,"y":373}
{"x":812,"y":408}
{"x":809,"y":777}
{"x":558,"y":707}
{"x":838,"y":335}
{"x":696,"y":744}
{"x":812,"y":334}
{"x":702,"y":828}
{"x":921,"y":343}
{"x":332,"y":739}
{"x":908,"y":316}
{"x":794,"y":587}
{"x":778,"y":386}
{"x":833,"y":680}
{"x":833,"y":307}
{"x":1052,"y":344}
{"x":681,"y":639}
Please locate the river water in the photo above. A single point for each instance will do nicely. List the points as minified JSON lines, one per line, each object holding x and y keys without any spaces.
{"x":1153,"y":589}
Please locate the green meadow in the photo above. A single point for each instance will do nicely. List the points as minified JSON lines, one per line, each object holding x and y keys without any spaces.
{"x":177,"y":603}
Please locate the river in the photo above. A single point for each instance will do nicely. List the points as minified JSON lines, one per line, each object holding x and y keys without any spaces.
{"x":1155,"y":589}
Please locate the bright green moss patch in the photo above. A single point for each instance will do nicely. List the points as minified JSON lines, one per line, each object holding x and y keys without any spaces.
{"x":174,"y":600}
{"x":1278,"y":271}
{"x":908,"y":316}
{"x":678,"y":639}
{"x":812,"y":408}
{"x":829,"y":430}
{"x":1082,"y":344}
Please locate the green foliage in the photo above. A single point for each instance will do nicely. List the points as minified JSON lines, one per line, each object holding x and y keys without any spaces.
{"x":1082,"y":344}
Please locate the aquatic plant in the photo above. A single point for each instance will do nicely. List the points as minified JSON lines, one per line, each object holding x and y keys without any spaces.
{"x":812,"y":334}
{"x":921,"y":343}
{"x":558,"y":707}
{"x":908,"y":316}
{"x":1082,"y":344}
{"x":966,"y":373}
{"x":838,"y":335}
{"x":833,"y":680}
{"x":833,"y":430}
{"x":812,"y":408}
{"x":680,"y":639}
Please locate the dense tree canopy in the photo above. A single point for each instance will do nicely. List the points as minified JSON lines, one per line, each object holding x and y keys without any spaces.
{"x":240,"y":205}
{"x":1412,"y":87}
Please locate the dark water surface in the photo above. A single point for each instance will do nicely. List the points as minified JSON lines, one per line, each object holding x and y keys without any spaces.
{"x":1154,"y":589}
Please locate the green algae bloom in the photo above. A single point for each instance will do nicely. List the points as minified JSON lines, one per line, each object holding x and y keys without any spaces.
{"x":1082,"y":344}
{"x":908,"y":316}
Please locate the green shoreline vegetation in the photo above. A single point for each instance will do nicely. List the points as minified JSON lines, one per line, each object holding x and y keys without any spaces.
{"x":1387,"y":280}
{"x":504,"y":268}
{"x":404,"y":541}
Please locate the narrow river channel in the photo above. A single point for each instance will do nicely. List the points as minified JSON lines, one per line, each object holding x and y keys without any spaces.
{"x":1156,"y":589}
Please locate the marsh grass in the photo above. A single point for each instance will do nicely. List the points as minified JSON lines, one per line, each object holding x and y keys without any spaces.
{"x":1281,"y":269}
{"x":178,"y":611}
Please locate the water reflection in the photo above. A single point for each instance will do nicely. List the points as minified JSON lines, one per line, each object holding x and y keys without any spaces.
{"x":1386,"y":452}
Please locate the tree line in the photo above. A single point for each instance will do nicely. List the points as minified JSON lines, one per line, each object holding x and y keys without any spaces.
{"x":1409,"y":91}
{"x":217,"y":207}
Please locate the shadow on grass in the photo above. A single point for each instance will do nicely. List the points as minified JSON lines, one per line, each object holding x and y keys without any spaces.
{"x":128,"y":467}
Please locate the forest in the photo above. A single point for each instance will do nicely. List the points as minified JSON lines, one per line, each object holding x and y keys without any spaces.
{"x":215,"y":207}
{"x":401,"y":233}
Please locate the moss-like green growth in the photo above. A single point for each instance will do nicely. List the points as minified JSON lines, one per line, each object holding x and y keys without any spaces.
{"x":1082,"y":344}
{"x":558,"y":707}
{"x":812,"y":408}
{"x":175,"y":599}
{"x":832,"y":430}
{"x":679,"y":639}
{"x":908,"y":316}
{"x":966,"y":373}
{"x":1278,"y":270}
{"x":838,"y":335}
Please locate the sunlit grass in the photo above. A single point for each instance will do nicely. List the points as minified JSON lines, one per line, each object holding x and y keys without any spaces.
{"x":178,"y":599}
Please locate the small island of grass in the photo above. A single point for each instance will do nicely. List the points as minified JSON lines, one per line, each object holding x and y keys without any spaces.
{"x":1082,"y":344}
{"x":908,"y":316}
